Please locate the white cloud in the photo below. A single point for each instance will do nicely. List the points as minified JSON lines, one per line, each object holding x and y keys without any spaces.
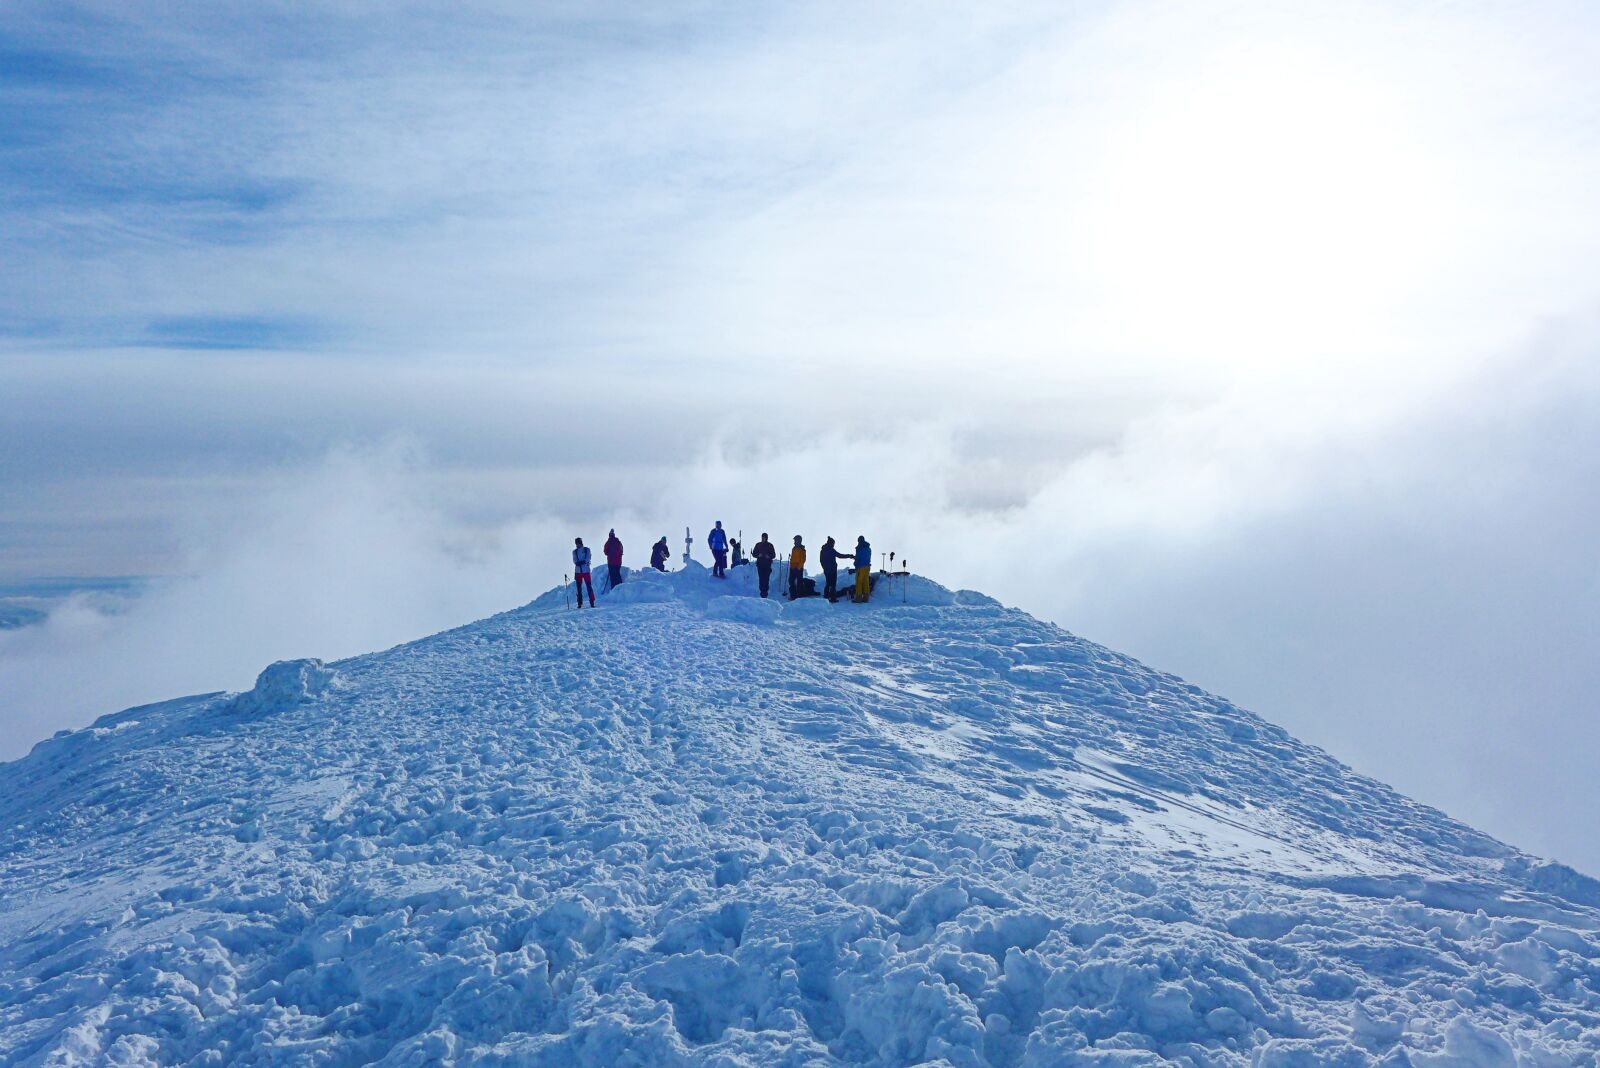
{"x":1394,"y":581}
{"x":328,"y":561}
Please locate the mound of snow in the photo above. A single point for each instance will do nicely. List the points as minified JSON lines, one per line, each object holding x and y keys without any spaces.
{"x":940,"y":834}
{"x":282,"y":686}
{"x":744,"y":610}
{"x":910,"y":589}
{"x":812,"y":606}
{"x":1558,"y":879}
{"x":641,"y":591}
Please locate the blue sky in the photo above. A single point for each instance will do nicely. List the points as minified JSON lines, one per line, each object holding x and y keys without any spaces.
{"x":1255,"y":341}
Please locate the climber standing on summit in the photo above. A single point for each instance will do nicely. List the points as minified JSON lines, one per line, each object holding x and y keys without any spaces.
{"x":580,"y":571}
{"x":717,"y":542}
{"x":797,"y":567}
{"x":830,"y":570}
{"x":613,"y":548}
{"x":659,"y":553}
{"x":863,"y":570}
{"x":764,"y":554}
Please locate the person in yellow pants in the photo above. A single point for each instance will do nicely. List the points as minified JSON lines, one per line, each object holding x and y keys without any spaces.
{"x":863,"y":570}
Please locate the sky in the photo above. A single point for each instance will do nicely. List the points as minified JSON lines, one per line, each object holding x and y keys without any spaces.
{"x":1258,"y":341}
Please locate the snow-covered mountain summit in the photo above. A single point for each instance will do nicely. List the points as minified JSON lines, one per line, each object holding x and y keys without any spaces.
{"x":696,"y":828}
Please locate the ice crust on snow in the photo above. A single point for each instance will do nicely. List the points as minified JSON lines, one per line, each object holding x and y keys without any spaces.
{"x":692,"y":827}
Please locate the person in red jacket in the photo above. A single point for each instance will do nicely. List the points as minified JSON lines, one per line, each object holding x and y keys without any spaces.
{"x":613,"y":549}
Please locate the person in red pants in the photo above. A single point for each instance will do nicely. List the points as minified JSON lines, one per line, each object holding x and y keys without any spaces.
{"x":580,"y":571}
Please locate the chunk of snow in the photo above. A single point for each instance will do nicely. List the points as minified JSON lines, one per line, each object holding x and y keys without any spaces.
{"x":761,"y":611}
{"x":282,"y":686}
{"x":640,"y":591}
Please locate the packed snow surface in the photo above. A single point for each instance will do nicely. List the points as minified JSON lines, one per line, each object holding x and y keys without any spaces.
{"x":692,"y":828}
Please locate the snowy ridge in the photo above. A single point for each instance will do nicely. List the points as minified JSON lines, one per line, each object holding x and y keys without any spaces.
{"x":696,"y":828}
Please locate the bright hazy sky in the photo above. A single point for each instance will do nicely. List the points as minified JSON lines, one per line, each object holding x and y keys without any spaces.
{"x":1256,"y":340}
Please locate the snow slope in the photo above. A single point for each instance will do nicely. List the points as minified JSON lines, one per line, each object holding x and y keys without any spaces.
{"x":693,"y":828}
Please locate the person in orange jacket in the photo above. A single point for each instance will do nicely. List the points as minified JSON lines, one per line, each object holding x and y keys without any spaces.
{"x":797,"y":566}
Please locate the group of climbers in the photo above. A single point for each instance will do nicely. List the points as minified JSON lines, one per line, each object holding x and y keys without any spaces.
{"x":861,"y":560}
{"x":765,"y":555}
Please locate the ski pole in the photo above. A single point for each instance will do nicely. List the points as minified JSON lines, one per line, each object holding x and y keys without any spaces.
{"x":566,"y":594}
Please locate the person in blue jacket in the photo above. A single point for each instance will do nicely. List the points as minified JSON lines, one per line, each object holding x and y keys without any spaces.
{"x":863,"y":569}
{"x":659,"y":554}
{"x":717,"y":541}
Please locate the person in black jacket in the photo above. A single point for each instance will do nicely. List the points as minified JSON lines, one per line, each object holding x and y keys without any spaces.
{"x":659,"y":553}
{"x":764,"y":553}
{"x":830,"y":570}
